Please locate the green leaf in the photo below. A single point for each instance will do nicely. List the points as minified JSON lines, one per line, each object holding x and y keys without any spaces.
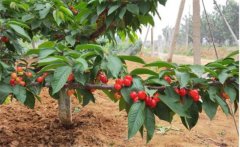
{"x":136,"y":86}
{"x":114,"y":65}
{"x":87,"y":96}
{"x":231,"y":92}
{"x":136,"y":117}
{"x":197,"y":70}
{"x":191,"y":121}
{"x":60,"y":78}
{"x":139,"y":71}
{"x":47,"y":44}
{"x":133,"y":59}
{"x":122,"y":105}
{"x":49,"y":60}
{"x":113,"y":8}
{"x":172,"y":100}
{"x":44,"y":12}
{"x":133,"y":8}
{"x":30,"y":100}
{"x":5,"y":90}
{"x":209,"y":106}
{"x":83,"y":63}
{"x":19,"y":30}
{"x":160,"y":64}
{"x":213,"y":91}
{"x":149,"y":123}
{"x":233,"y":54}
{"x":20,"y":93}
{"x":223,"y":105}
{"x":94,"y":47}
{"x":46,"y":52}
{"x":110,"y":95}
{"x":163,"y":112}
{"x":122,"y":12}
{"x":182,"y":77}
{"x":223,"y":76}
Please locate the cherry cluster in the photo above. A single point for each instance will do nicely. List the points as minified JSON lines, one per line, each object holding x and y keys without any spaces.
{"x":42,"y":77}
{"x":193,"y":93}
{"x":120,"y":83}
{"x":17,"y":77}
{"x":142,"y":95}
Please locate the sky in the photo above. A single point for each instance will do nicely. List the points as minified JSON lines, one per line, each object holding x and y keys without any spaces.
{"x":169,"y":14}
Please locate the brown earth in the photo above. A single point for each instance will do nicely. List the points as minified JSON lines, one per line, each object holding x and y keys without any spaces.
{"x":102,"y":124}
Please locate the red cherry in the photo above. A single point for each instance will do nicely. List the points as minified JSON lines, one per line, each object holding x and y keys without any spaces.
{"x":156,"y":99}
{"x":22,"y":83}
{"x":103,"y":79}
{"x":142,"y":95}
{"x":176,"y":90}
{"x":182,"y":92}
{"x":117,"y":87}
{"x":4,"y":39}
{"x":129,"y":77}
{"x":133,"y":94}
{"x":153,"y":103}
{"x":70,"y":77}
{"x":194,"y":94}
{"x":13,"y":75}
{"x":148,"y":101}
{"x":119,"y":81}
{"x":135,"y":99}
{"x":40,"y":79}
{"x":19,"y":69}
{"x":28,"y":74}
{"x":12,"y":82}
{"x":127,"y":82}
{"x":168,"y":79}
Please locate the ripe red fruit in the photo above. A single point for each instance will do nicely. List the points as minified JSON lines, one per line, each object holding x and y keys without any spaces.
{"x":225,"y":95}
{"x":12,"y":82}
{"x":18,"y":80}
{"x":129,"y":77}
{"x":142,"y":95}
{"x":13,"y":75}
{"x":194,"y":94}
{"x":133,"y":94}
{"x":40,"y":79}
{"x":176,"y":90}
{"x":117,"y":87}
{"x":28,"y":74}
{"x":127,"y":82}
{"x":22,"y":83}
{"x":103,"y":78}
{"x":148,"y":101}
{"x":70,"y":77}
{"x":119,"y":81}
{"x":156,"y":99}
{"x":135,"y":99}
{"x":182,"y":92}
{"x":4,"y":39}
{"x":19,"y":69}
{"x":168,"y":79}
{"x":153,"y":103}
{"x":70,"y":92}
{"x":117,"y":95}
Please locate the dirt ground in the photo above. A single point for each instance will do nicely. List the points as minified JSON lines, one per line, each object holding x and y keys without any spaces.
{"x":101,"y":124}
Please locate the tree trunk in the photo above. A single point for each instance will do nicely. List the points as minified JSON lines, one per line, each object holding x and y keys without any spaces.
{"x":196,"y":32}
{"x":176,"y":30}
{"x":64,"y":109}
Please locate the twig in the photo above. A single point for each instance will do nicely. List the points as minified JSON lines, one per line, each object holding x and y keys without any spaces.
{"x":234,"y":119}
{"x":210,"y":29}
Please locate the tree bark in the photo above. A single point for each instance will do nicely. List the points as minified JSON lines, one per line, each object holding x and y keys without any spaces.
{"x":196,"y":32}
{"x":176,"y":30}
{"x":64,"y":108}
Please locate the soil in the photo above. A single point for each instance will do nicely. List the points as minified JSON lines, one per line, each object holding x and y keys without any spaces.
{"x":101,"y":124}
